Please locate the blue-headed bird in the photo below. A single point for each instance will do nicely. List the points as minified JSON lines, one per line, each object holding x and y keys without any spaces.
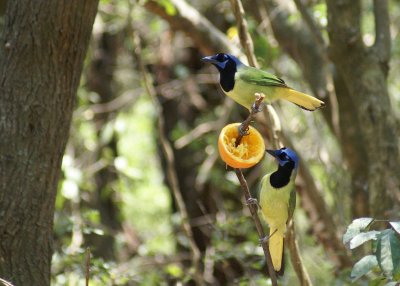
{"x":278,"y":201}
{"x":240,"y":82}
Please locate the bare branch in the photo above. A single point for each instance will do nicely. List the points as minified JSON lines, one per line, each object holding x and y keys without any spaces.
{"x":187,"y":19}
{"x":274,"y":126}
{"x":244,"y":36}
{"x":295,"y":257}
{"x":382,"y":30}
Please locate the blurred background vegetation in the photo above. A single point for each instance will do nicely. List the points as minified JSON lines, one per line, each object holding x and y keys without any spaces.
{"x":116,"y":193}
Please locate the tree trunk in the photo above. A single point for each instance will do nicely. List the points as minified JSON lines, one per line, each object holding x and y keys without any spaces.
{"x":41,"y":59}
{"x":364,"y":71}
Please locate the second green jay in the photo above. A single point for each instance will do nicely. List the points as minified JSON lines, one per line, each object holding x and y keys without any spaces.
{"x":241,"y":82}
{"x":278,"y":201}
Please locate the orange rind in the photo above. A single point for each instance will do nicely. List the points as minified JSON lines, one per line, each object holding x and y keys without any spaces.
{"x":247,"y":154}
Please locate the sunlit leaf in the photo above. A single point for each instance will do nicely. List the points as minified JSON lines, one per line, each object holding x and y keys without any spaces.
{"x":174,"y":270}
{"x":395,"y":225}
{"x":363,"y":237}
{"x":168,"y":6}
{"x":388,"y":252}
{"x":356,"y":227}
{"x":363,"y":266}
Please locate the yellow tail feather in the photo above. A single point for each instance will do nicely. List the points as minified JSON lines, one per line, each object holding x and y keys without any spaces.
{"x":276,"y":248}
{"x":303,"y":100}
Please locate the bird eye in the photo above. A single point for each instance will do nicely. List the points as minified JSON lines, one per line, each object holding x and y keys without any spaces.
{"x":220,"y":57}
{"x":282,"y":156}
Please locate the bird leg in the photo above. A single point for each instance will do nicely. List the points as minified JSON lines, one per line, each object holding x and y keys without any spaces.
{"x":267,"y":237}
{"x":253,"y":201}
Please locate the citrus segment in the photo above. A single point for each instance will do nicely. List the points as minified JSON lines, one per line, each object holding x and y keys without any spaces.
{"x":248,"y":153}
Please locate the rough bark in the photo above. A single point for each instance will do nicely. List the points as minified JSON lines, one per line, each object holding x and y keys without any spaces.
{"x":353,"y":148}
{"x":41,"y":57}
{"x":364,"y":72}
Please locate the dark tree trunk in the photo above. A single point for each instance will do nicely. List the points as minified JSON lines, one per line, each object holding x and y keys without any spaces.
{"x":41,"y":57}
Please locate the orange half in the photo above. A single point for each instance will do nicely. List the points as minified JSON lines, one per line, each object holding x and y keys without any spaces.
{"x":249,"y":152}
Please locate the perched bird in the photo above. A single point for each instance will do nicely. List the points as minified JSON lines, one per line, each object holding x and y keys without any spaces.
{"x":278,"y":200}
{"x":241,"y":82}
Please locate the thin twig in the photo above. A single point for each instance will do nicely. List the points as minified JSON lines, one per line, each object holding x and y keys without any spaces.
{"x":244,"y":36}
{"x":87,"y":268}
{"x":6,"y":282}
{"x":254,"y":213}
{"x":247,"y":44}
{"x":170,"y":160}
{"x":273,"y":120}
{"x":295,"y":257}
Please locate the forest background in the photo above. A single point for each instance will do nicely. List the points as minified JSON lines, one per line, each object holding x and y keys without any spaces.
{"x":128,"y":113}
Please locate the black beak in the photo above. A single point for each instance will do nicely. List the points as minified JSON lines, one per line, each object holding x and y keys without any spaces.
{"x":273,"y":153}
{"x":209,"y":59}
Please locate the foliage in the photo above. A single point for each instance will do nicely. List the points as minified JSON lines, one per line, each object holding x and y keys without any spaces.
{"x":382,"y":267}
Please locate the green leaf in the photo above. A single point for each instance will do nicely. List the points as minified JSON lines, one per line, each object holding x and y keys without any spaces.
{"x":363,"y":237}
{"x":174,"y":270}
{"x":355,"y":228}
{"x":388,"y":253}
{"x":168,"y":6}
{"x":395,"y":225}
{"x":393,"y":283}
{"x":363,"y":266}
{"x":377,"y":282}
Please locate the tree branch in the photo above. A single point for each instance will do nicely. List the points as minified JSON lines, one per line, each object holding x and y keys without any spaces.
{"x":295,"y":257}
{"x":312,"y":25}
{"x":244,"y":36}
{"x":187,"y":19}
{"x":382,"y":30}
{"x":274,"y":125}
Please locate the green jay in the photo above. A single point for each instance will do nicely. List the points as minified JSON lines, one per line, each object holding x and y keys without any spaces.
{"x":241,"y":82}
{"x":278,"y":201}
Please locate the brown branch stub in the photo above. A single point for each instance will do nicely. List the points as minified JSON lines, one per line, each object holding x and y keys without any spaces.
{"x":259,"y":97}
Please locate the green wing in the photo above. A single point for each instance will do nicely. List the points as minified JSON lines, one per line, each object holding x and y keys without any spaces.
{"x":292,"y":203}
{"x":258,"y":77}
